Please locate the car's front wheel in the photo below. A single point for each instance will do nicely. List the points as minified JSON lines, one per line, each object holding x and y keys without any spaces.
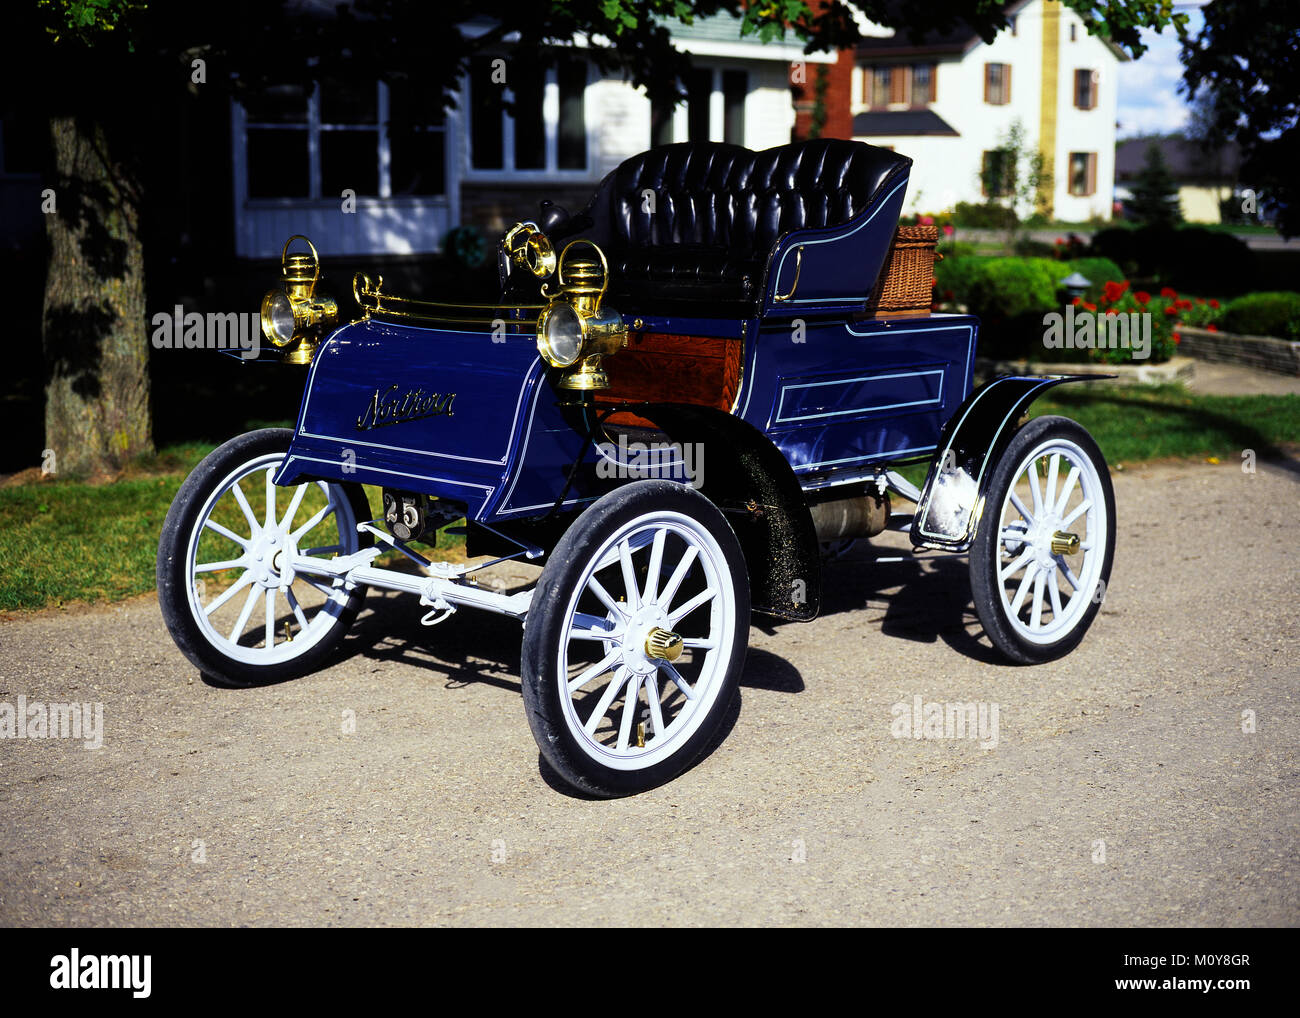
{"x":229,"y":591}
{"x":635,"y":638}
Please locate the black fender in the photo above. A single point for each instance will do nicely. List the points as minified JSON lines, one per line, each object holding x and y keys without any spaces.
{"x":973,"y":439}
{"x":748,"y":479}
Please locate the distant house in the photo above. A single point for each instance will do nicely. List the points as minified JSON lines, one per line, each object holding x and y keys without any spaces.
{"x":947,"y":100}
{"x":297,"y":152}
{"x":1205,"y":178}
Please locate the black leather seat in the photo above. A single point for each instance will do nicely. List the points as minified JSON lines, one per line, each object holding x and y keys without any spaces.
{"x":699,"y":221}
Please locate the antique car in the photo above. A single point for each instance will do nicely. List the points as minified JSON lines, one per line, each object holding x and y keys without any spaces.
{"x":688,"y":393}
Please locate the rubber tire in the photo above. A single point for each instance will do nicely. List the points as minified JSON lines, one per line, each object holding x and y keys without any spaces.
{"x":542,"y":686}
{"x":173,"y":583}
{"x":984,"y":550}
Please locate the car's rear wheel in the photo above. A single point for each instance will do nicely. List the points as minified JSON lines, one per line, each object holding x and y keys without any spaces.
{"x":635,"y":638}
{"x":1043,"y":550}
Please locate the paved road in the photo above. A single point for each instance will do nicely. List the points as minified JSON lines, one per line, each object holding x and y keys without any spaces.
{"x":207,"y":806}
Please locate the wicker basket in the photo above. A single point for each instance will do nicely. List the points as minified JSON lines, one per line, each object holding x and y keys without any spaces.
{"x":906,"y":284}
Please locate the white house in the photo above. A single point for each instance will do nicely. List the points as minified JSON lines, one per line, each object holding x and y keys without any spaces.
{"x":298,"y":152}
{"x":948,"y":100}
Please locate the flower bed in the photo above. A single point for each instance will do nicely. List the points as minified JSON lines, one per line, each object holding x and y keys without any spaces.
{"x":1169,"y":314}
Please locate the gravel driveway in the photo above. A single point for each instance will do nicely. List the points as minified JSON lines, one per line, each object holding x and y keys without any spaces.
{"x":1122,"y":789}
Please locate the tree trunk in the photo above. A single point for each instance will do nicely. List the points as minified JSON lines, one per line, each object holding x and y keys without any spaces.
{"x":94,"y":325}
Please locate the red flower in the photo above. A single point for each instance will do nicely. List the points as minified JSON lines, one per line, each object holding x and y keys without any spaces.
{"x":1077,"y":301}
{"x":1114,"y":291}
{"x":1185,"y":305}
{"x":1213,"y":303}
{"x":1142,"y":297}
{"x":947,"y":229}
{"x":926,"y":220}
{"x":1059,"y":241}
{"x":1177,"y":338}
{"x":1090,"y":307}
{"x":1212,"y":327}
{"x":1200,"y":300}
{"x":1171,"y":310}
{"x":1166,"y":291}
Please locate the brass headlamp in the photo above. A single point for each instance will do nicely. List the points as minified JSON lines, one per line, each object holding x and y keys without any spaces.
{"x":529,"y":248}
{"x":573,"y":331}
{"x":294,"y":313}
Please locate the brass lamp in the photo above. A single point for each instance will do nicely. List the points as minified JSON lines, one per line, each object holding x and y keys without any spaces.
{"x":293,"y":313}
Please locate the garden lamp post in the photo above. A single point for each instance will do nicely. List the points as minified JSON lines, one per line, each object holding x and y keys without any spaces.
{"x":1075,"y":284}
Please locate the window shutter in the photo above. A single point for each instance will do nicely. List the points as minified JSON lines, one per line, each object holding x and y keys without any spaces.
{"x":934,"y":82}
{"x":988,"y":76}
{"x":897,"y":85}
{"x":1006,"y":83}
{"x":1092,"y":172}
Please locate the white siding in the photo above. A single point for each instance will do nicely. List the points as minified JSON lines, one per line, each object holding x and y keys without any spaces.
{"x":946,"y":169}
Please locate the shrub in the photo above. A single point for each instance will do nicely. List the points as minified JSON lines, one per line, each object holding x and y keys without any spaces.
{"x":956,"y":249}
{"x":1192,"y":258}
{"x":1275,"y":313}
{"x":989,"y":216}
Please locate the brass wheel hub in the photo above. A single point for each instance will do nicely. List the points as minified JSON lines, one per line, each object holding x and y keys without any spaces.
{"x":1064,"y":543}
{"x":663,"y":645}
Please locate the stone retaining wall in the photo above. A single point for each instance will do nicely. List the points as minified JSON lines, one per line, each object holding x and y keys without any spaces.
{"x":1281,"y":355}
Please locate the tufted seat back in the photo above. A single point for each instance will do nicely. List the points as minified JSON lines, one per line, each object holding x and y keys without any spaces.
{"x":706,"y":215}
{"x":725,"y":195}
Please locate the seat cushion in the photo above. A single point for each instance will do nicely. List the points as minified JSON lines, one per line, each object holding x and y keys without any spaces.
{"x":683,"y":271}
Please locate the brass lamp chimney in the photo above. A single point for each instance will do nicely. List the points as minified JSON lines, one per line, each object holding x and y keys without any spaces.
{"x":583,"y":282}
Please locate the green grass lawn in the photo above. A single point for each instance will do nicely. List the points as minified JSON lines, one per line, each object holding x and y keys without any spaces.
{"x":1156,"y":422}
{"x":63,"y":541}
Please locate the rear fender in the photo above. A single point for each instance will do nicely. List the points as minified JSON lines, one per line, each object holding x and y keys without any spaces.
{"x":746,"y":477}
{"x":972,"y":441}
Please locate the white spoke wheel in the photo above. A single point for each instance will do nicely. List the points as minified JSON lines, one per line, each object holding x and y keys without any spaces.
{"x":1045,"y":542}
{"x":635,"y":638}
{"x":230,"y":583}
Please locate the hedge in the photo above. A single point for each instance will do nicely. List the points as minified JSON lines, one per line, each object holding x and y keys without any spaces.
{"x":1272,"y":313}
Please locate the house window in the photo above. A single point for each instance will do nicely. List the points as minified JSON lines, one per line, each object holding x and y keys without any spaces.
{"x":546,"y":128}
{"x":997,"y":84}
{"x":1083,"y":173}
{"x":316,"y":142}
{"x":880,"y":94}
{"x":278,"y":143}
{"x":416,"y":138}
{"x":1085,"y":89}
{"x":1012,"y":21}
{"x":702,"y":84}
{"x":996,"y":173}
{"x":1074,"y":32}
{"x":923,"y":84}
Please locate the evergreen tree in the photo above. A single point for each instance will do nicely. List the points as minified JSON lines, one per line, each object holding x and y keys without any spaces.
{"x":1154,"y":193}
